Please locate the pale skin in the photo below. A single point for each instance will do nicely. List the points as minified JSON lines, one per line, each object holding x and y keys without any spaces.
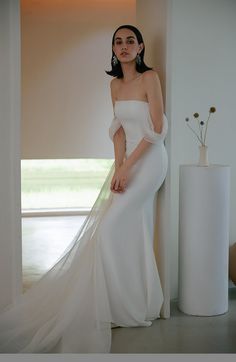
{"x":140,"y":86}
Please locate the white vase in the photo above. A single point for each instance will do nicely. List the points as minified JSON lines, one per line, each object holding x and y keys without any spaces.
{"x":203,"y":156}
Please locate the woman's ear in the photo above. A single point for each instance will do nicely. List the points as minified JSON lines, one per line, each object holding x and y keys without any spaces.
{"x":141,"y":46}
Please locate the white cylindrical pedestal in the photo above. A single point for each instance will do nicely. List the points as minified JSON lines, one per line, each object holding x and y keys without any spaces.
{"x":203,"y":239}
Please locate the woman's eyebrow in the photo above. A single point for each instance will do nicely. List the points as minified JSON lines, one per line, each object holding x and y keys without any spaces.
{"x":128,"y":37}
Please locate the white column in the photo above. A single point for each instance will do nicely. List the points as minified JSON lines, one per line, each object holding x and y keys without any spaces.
{"x":10,"y":158}
{"x":203,"y":239}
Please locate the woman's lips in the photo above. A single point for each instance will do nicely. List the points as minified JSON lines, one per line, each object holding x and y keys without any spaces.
{"x":123,"y":54}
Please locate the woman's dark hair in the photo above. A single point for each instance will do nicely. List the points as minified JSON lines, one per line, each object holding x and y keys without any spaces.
{"x":116,"y":70}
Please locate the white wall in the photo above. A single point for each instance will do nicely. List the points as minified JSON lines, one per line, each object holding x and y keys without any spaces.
{"x":152,"y":22}
{"x":66,"y":48}
{"x":201,"y":72}
{"x":10,"y":210}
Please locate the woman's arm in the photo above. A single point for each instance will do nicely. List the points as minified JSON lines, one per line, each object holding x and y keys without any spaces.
{"x":119,"y":142}
{"x":119,"y":147}
{"x":119,"y":136}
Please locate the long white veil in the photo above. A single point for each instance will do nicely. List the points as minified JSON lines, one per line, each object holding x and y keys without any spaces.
{"x":67,"y":309}
{"x":88,"y":227}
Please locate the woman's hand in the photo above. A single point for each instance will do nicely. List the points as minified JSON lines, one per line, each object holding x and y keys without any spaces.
{"x":120,"y":179}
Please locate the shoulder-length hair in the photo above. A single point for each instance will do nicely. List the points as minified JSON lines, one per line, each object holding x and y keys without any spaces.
{"x":116,"y":70}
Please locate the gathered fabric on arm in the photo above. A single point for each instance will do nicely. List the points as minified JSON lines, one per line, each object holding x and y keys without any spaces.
{"x":153,"y":137}
{"x":115,"y":125}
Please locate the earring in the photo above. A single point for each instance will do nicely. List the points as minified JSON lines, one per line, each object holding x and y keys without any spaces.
{"x":114,"y":60}
{"x":138,"y":59}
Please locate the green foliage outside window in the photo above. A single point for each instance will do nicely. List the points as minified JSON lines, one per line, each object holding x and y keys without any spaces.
{"x":67,"y":183}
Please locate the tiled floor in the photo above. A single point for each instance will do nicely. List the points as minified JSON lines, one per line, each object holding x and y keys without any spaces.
{"x":45,"y":238}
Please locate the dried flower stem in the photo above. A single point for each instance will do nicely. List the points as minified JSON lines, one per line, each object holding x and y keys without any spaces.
{"x":201,"y":135}
{"x":206,"y":127}
{"x":196,"y":134}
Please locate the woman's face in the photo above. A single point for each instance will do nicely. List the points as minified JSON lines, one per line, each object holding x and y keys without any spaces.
{"x":126,"y":46}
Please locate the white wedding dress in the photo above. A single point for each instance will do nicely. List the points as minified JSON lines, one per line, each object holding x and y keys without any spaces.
{"x":108,"y":273}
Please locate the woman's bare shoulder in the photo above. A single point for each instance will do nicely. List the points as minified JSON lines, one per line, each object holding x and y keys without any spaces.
{"x":114,"y":82}
{"x":150,"y":74}
{"x":114,"y":88}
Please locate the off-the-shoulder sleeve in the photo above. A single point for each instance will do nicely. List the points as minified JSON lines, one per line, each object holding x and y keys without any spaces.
{"x":151,"y":136}
{"x":115,"y":125}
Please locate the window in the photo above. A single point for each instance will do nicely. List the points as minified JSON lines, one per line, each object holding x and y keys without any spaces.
{"x":66,"y":183}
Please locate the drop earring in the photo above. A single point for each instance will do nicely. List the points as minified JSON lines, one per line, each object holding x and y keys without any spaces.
{"x":138,"y":59}
{"x":114,"y":60}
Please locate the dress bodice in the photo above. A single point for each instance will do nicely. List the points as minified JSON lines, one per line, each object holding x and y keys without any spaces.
{"x":134,"y":116}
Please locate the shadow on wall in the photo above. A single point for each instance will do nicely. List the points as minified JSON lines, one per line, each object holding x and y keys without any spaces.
{"x":232,"y":263}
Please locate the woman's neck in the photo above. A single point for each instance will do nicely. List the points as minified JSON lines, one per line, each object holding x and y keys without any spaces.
{"x":129,"y":72}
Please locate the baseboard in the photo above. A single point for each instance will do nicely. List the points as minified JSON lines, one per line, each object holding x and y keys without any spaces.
{"x":55,"y":212}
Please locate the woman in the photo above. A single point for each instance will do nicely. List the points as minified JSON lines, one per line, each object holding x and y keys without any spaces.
{"x":134,"y":81}
{"x":108,"y":275}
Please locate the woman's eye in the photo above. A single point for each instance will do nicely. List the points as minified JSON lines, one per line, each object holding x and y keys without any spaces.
{"x":129,"y":41}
